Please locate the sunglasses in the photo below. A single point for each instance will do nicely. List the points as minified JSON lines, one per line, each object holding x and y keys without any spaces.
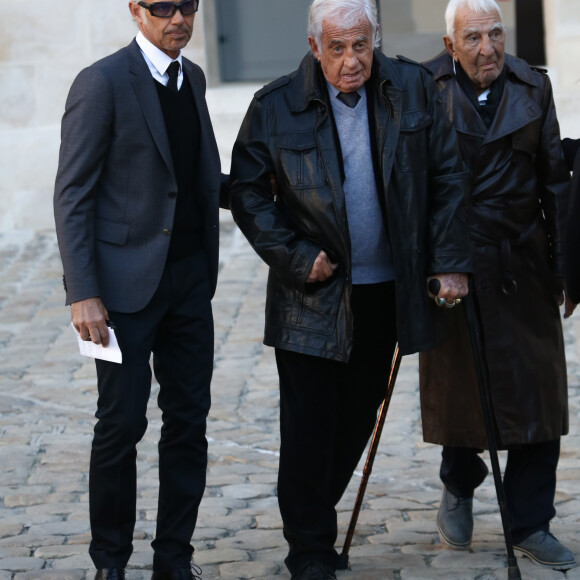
{"x":168,"y":9}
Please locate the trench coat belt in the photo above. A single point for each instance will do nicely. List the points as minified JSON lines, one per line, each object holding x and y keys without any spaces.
{"x":509,"y":283}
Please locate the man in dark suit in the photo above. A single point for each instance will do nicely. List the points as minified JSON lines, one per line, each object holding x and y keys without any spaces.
{"x":136,"y":209}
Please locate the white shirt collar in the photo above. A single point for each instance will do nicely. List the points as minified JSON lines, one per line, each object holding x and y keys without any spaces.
{"x":482,"y":98}
{"x":158,"y":61}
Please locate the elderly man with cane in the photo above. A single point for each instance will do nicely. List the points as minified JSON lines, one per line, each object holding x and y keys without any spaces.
{"x":508,"y":132}
{"x":369,"y":204}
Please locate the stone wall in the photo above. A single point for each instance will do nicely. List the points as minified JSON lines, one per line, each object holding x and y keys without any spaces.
{"x":415,"y":28}
{"x":562,"y":19}
{"x":42,"y":50}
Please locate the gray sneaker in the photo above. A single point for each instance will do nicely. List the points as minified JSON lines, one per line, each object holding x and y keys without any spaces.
{"x":546,"y":550}
{"x":455,"y":520}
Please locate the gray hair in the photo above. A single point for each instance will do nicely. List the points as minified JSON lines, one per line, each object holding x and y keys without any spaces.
{"x":145,"y":13}
{"x":479,"y":6}
{"x":350,"y":12}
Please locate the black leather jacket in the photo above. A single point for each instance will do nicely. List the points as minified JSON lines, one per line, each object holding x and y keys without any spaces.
{"x":289,"y":131}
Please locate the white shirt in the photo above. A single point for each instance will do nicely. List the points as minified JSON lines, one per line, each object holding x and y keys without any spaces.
{"x":483,"y":97}
{"x":157,"y":61}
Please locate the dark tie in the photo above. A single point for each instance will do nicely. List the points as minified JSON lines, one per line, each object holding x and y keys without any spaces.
{"x":349,"y":99}
{"x":173,"y":72}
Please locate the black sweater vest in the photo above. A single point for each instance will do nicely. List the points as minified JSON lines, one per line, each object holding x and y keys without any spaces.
{"x":183,"y":130}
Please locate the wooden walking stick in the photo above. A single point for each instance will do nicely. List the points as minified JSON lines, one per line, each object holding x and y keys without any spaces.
{"x":474,"y":327}
{"x":376,"y":437}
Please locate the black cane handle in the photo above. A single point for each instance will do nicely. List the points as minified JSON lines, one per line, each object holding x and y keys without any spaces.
{"x":434,"y":286}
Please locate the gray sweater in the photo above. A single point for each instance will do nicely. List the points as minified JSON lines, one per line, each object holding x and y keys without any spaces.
{"x":372,"y":260}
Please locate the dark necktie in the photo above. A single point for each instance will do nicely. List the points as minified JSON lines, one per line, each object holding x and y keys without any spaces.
{"x":173,"y":72}
{"x":349,"y":99}
{"x":485,"y":112}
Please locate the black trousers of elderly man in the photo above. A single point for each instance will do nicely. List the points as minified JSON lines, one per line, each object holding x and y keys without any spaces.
{"x":369,"y":203}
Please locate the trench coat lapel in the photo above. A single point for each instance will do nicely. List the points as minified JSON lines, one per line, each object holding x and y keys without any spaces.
{"x":516,"y":110}
{"x":148,"y":99}
{"x":461,"y":111}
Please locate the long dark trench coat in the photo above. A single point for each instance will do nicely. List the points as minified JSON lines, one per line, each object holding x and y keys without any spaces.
{"x":520,"y":186}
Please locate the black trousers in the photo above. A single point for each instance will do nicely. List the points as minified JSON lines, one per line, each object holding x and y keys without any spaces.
{"x":177,"y":327}
{"x":328,"y":411}
{"x":529,"y":482}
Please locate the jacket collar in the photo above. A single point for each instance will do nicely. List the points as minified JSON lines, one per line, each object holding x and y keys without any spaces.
{"x":442,"y":67}
{"x":309,"y":85}
{"x":515,"y":110}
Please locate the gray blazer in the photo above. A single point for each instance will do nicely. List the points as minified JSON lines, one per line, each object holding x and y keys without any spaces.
{"x":112,"y":206}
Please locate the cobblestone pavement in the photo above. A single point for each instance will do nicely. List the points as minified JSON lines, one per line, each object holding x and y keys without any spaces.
{"x":47,"y":401}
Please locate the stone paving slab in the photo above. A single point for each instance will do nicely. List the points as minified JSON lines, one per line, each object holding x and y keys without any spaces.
{"x":47,"y":400}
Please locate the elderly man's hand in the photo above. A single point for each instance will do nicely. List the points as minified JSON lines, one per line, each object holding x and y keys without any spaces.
{"x":453,"y":287}
{"x":563,"y":298}
{"x":322,"y":269}
{"x":89,"y":317}
{"x":569,"y":307}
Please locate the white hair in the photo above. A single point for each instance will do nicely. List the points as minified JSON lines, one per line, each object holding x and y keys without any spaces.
{"x":479,"y":6}
{"x":348,"y":12}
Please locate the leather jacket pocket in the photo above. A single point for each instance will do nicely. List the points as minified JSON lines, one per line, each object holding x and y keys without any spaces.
{"x":316,"y":308}
{"x":411,"y":152}
{"x":300,"y":161}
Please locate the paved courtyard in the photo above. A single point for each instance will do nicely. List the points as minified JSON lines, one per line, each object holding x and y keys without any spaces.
{"x":47,"y":402}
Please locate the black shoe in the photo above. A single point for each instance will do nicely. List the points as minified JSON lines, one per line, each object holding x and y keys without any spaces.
{"x":455,"y":520}
{"x":192,"y":573}
{"x":315,"y":571}
{"x":544,"y":549}
{"x":110,"y":574}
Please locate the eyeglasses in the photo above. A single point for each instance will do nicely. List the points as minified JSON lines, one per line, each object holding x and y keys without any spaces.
{"x":168,"y":9}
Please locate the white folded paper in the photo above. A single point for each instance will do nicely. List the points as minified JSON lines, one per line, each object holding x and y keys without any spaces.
{"x":111,"y":353}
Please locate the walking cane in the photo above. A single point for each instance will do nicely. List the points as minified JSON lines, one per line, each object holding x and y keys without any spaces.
{"x":474,"y":328}
{"x":376,"y":437}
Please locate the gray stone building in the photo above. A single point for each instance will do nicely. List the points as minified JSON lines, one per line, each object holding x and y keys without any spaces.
{"x":239,"y":43}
